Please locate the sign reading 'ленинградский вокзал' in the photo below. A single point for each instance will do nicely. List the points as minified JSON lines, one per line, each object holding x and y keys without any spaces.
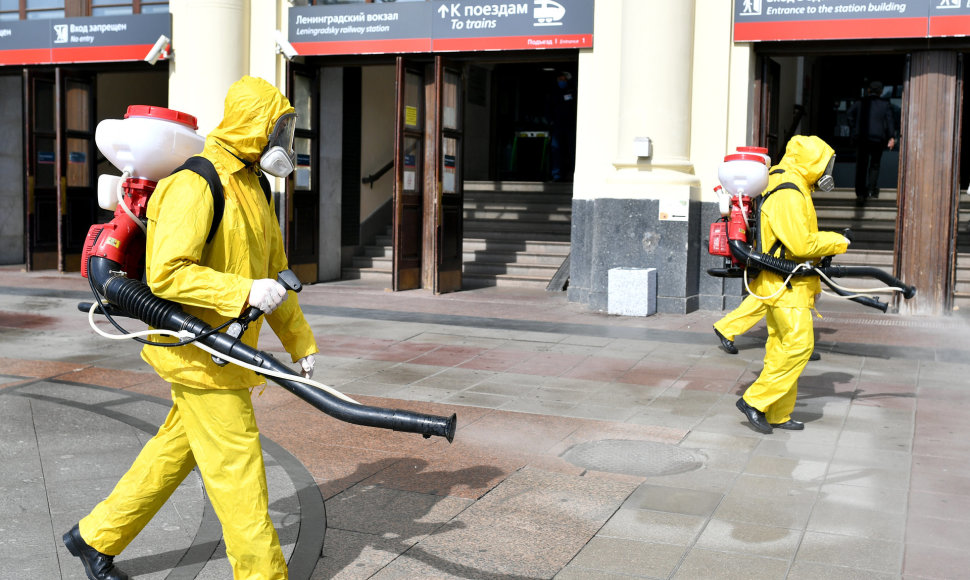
{"x":446,"y":26}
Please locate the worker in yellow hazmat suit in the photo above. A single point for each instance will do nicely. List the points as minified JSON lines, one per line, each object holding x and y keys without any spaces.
{"x":788,"y":228}
{"x":211,"y":424}
{"x":751,"y":310}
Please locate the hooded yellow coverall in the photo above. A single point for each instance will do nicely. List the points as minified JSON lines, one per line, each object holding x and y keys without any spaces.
{"x":211,"y":424}
{"x":788,"y":216}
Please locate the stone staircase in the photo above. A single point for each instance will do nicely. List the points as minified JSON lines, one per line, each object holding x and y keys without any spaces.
{"x":515,"y":234}
{"x":874,"y":226}
{"x":373,"y":262}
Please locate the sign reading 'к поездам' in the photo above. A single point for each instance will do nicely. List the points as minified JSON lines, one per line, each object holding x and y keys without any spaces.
{"x":448,"y":26}
{"x":765,"y":20}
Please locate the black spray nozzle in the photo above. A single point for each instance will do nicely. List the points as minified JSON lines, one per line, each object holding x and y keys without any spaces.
{"x":136,"y":300}
{"x":870,"y":272}
{"x":743,"y":253}
{"x":870,"y":301}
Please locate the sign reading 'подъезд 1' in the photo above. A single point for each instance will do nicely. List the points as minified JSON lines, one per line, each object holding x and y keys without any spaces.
{"x":447,"y":26}
{"x":766,"y":20}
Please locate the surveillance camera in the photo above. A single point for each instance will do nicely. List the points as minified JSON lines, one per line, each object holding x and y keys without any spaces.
{"x":159,"y":50}
{"x":284,"y":47}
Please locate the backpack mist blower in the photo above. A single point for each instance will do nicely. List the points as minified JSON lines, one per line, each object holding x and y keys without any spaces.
{"x":734,"y":236}
{"x":147,"y":145}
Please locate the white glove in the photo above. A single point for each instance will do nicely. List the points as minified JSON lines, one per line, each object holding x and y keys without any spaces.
{"x":306,"y":363}
{"x":847,"y":240}
{"x":267,"y":295}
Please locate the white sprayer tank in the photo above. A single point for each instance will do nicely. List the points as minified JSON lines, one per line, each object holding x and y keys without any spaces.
{"x":148,"y":143}
{"x":743,"y":174}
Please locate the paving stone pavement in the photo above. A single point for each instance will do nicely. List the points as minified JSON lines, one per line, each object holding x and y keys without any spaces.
{"x":588,"y":445}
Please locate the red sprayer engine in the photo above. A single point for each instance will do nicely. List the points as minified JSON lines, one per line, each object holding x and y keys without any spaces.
{"x":147,"y":145}
{"x":743,"y":176}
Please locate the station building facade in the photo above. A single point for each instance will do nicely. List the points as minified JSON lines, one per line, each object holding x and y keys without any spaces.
{"x":441,"y":93}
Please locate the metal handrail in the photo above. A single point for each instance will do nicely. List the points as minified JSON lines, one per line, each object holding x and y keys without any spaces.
{"x":370,"y":179}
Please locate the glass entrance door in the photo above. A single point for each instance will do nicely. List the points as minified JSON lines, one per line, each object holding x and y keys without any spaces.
{"x":447,"y":186}
{"x":409,"y":175}
{"x":43,"y":221}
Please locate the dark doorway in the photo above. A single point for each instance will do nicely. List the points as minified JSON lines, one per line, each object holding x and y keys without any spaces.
{"x":836,"y":84}
{"x":531,"y":113}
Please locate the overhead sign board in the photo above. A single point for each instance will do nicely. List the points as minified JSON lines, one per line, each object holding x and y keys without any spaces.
{"x":90,"y":39}
{"x":767,"y":20}
{"x":447,"y":26}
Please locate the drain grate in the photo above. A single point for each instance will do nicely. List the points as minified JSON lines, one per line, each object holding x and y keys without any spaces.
{"x":932,"y":323}
{"x":640,"y":458}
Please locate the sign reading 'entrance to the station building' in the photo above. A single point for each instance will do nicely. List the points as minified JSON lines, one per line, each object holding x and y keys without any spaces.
{"x":449,"y":26}
{"x":766,"y":20}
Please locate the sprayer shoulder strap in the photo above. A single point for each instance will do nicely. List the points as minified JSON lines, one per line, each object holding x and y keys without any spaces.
{"x":207,"y":170}
{"x":761,"y":200}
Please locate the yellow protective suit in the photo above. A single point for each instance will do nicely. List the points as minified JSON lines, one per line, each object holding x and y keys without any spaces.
{"x":741,"y":319}
{"x":211,"y":424}
{"x":788,"y":216}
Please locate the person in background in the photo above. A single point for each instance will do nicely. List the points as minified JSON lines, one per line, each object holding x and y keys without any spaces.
{"x":740,"y":320}
{"x":873,"y":128}
{"x":562,"y":130}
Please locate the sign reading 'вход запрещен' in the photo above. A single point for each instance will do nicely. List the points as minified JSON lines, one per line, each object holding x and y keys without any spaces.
{"x":91,"y":39}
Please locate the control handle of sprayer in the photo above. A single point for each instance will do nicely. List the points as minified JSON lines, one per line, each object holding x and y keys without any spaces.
{"x":288,"y":280}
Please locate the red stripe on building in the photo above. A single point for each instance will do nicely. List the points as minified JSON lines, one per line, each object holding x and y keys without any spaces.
{"x":25,"y":56}
{"x":100,"y":53}
{"x":950,"y":25}
{"x":513,"y":42}
{"x":364,"y":46}
{"x":832,"y":29}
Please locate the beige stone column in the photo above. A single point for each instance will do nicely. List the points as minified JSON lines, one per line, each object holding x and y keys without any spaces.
{"x":211,"y":43}
{"x":655,"y":84}
{"x":633,"y":211}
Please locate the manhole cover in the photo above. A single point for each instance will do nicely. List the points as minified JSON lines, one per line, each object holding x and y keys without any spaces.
{"x":641,"y":458}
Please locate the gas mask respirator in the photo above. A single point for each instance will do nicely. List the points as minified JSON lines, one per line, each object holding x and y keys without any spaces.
{"x":279,"y":159}
{"x":826,"y":182}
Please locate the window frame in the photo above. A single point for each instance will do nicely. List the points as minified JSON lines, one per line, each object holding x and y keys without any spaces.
{"x":80,"y":8}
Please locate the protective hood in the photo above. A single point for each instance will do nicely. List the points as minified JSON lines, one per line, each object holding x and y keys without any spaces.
{"x":807,"y":157}
{"x":252,"y":108}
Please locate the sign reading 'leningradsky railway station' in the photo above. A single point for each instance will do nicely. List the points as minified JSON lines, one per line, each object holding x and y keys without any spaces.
{"x":765,"y":20}
{"x":446,"y":26}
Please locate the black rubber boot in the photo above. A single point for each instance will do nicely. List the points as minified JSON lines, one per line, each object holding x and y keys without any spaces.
{"x":726,"y":345}
{"x":755,"y":417}
{"x":97,"y":566}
